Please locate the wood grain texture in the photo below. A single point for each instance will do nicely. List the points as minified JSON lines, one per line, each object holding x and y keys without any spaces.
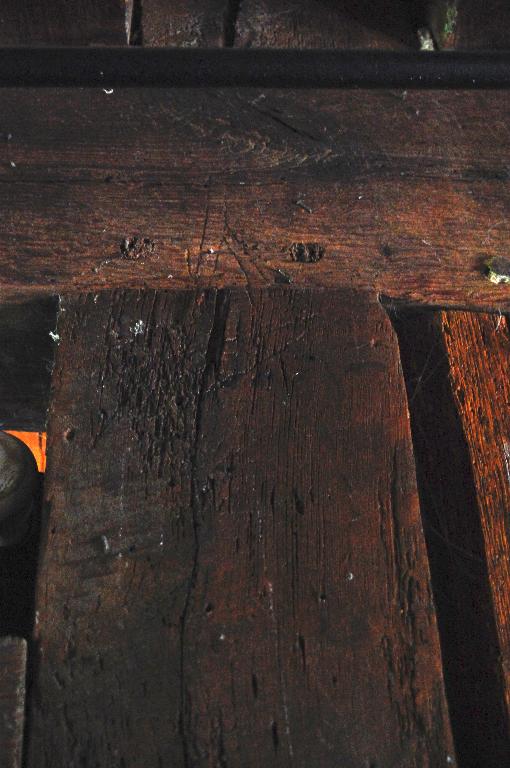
{"x":63,"y":22}
{"x":327,"y":24}
{"x":196,"y":24}
{"x":478,"y":348}
{"x":449,"y":501}
{"x":234,"y":572}
{"x":13,"y":653}
{"x":215,"y":189}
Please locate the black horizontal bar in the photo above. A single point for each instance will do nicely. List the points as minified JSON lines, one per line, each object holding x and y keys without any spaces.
{"x":177,"y":67}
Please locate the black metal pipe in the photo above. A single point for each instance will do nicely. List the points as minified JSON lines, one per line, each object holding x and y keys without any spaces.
{"x":264,"y":68}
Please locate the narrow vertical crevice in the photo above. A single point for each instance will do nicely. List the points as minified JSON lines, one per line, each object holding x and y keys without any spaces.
{"x":230,"y":23}
{"x":28,"y":341}
{"x":470,"y":651}
{"x":134,"y":22}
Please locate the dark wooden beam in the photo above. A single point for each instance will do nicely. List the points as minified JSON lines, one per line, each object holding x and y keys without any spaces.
{"x":264,"y":68}
{"x":234,"y":571}
{"x":209,"y":188}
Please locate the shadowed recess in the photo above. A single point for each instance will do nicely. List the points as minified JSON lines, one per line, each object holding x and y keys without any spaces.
{"x":455,"y":546}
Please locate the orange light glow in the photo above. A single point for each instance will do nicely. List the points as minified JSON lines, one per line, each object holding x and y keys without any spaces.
{"x":36,"y":441}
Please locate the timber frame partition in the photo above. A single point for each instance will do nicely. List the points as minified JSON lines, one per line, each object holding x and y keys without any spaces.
{"x":234,"y":570}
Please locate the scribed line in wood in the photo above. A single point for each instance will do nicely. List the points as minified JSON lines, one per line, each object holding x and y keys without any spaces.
{"x":216,"y":188}
{"x":234,"y":571}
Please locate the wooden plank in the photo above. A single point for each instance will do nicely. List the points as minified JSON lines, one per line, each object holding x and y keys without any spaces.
{"x":195,"y":24}
{"x":63,"y":22}
{"x":226,"y":185}
{"x":346,"y":24}
{"x":478,"y":348}
{"x":459,"y":556}
{"x":234,"y":572}
{"x":470,"y":24}
{"x":13,"y":656}
{"x":26,"y":361}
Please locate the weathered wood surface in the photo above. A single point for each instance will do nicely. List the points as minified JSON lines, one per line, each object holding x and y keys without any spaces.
{"x":195,"y":24}
{"x":276,"y":24}
{"x":13,"y":653}
{"x":63,"y":22}
{"x":405,"y":193}
{"x":442,"y":390}
{"x":478,"y":348}
{"x":322,"y":24}
{"x":234,"y":572}
{"x":26,"y":360}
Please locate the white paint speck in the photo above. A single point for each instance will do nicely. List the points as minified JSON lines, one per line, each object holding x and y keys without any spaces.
{"x":350,"y":576}
{"x":138,"y":328}
{"x":222,"y":637}
{"x":12,"y":164}
{"x":450,"y":760}
{"x":108,"y":91}
{"x":106,"y":544}
{"x":54,"y":336}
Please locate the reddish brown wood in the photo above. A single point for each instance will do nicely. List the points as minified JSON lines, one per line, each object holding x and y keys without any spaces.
{"x":218,"y":187}
{"x":449,"y":501}
{"x":323,"y":24}
{"x":478,"y":348}
{"x":234,"y":572}
{"x":13,"y":652}
{"x":63,"y":22}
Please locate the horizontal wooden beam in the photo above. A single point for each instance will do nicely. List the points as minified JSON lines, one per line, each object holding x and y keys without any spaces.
{"x":264,"y":68}
{"x":404,"y":194}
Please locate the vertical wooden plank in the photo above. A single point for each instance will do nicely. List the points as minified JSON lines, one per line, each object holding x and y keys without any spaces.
{"x":63,"y":22}
{"x":13,"y":657}
{"x":234,"y":572}
{"x":478,"y":348}
{"x":346,"y":24}
{"x":185,"y":23}
{"x":455,"y":539}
